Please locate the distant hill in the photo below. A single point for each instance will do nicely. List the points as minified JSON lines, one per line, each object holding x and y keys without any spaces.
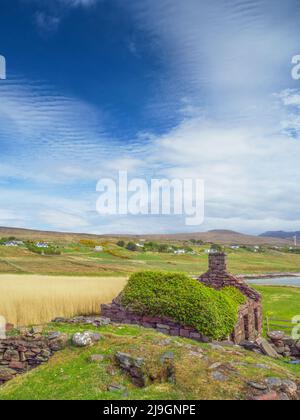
{"x":280,"y":234}
{"x":225,"y":237}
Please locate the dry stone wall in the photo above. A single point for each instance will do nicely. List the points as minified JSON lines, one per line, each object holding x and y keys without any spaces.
{"x":164,"y":325}
{"x":23,"y":353}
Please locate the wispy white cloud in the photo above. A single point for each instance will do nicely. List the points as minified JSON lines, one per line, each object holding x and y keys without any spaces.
{"x":62,"y":221}
{"x":47,"y":22}
{"x":40,"y":124}
{"x":226,"y":70}
{"x":49,"y":15}
{"x":77,"y":3}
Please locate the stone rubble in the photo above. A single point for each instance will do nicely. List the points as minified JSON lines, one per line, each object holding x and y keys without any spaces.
{"x":96,"y":321}
{"x":274,"y":389}
{"x":279,"y":346}
{"x":27,"y":351}
{"x":136,"y":369}
{"x":30,"y":349}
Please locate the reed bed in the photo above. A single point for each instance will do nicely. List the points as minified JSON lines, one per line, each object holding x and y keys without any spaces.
{"x":34,"y":299}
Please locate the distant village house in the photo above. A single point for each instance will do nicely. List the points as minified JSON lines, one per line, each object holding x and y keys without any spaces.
{"x":41,"y":245}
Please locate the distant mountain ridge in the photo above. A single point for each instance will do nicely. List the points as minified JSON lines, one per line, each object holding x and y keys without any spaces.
{"x":223,"y":237}
{"x":281,"y":234}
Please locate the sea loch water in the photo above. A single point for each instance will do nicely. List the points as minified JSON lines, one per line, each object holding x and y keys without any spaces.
{"x":280,"y":281}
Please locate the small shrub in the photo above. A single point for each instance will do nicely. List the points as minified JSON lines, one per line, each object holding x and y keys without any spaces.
{"x":185,"y":300}
{"x":88,"y":243}
{"x":216,"y":248}
{"x":131,"y":246}
{"x":51,"y":250}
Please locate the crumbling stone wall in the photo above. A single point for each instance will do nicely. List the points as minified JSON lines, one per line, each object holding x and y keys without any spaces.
{"x":164,"y":325}
{"x":250,"y":322}
{"x":23,"y":353}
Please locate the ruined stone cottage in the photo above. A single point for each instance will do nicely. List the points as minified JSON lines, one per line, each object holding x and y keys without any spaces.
{"x":250,"y":319}
{"x":250,"y":322}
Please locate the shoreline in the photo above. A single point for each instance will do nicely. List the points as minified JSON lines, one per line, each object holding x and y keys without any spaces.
{"x":267,"y":276}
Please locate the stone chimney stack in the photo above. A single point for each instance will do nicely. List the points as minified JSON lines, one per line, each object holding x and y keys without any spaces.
{"x":217,"y":263}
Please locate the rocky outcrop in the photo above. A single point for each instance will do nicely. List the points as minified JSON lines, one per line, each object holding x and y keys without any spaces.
{"x":140,"y":375}
{"x":274,"y":389}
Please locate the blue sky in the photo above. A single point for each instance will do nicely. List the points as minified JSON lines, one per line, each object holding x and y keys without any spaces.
{"x":159,"y":88}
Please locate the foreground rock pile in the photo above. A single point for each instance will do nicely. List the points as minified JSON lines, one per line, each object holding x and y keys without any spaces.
{"x":140,"y":376}
{"x":284,"y":345}
{"x":27,"y":351}
{"x":221,"y":362}
{"x":275,"y":389}
{"x":95,"y":321}
{"x":31,"y":349}
{"x":278,"y":346}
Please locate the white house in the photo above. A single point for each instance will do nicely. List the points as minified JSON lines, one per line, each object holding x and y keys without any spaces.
{"x":11,"y":244}
{"x":41,"y":245}
{"x":179,"y":252}
{"x":98,"y":248}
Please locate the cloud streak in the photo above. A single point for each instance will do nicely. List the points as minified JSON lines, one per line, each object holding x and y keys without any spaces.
{"x":225,"y":70}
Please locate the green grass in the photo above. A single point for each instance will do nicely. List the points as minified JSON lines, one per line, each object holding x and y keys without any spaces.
{"x":81,"y":260}
{"x":281,"y":303}
{"x":70,"y":376}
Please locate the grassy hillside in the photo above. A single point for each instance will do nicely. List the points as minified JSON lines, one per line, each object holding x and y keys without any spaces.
{"x":76,"y":259}
{"x":214,"y":236}
{"x":71,"y":376}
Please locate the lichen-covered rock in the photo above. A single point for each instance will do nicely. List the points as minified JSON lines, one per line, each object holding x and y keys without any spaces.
{"x":6,"y":374}
{"x":289,"y":387}
{"x":58,"y":341}
{"x":85,"y":339}
{"x":82,"y":340}
{"x":96,"y":358}
{"x":134,"y":367}
{"x":276,"y":335}
{"x":274,"y":383}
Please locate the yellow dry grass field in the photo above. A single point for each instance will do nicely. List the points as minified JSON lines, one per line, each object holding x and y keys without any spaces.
{"x":34,"y":299}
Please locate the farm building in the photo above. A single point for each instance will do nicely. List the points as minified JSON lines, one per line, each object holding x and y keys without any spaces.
{"x":41,"y":245}
{"x":98,"y":248}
